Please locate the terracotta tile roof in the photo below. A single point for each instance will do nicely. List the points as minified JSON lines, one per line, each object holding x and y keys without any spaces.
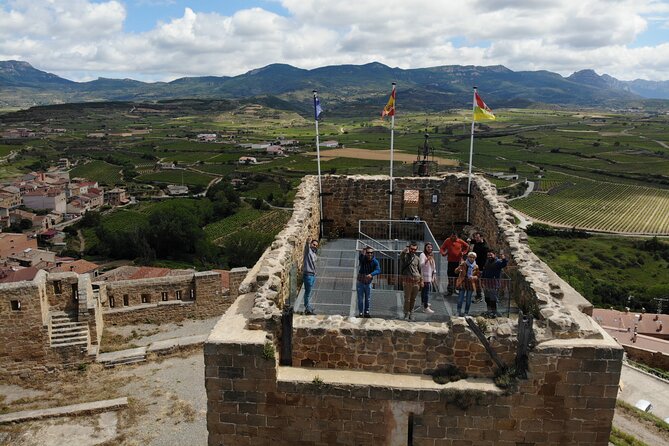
{"x":80,"y":266}
{"x":149,"y":272}
{"x":626,"y":338}
{"x":647,"y":324}
{"x":8,"y":275}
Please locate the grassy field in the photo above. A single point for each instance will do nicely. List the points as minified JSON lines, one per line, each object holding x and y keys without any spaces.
{"x":176,"y":177}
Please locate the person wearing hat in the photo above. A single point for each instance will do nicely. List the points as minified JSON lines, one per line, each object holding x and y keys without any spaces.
{"x":466,"y":283}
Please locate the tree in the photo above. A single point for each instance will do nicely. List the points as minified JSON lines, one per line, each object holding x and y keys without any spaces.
{"x":91,"y":219}
{"x":25,"y":224}
{"x":175,"y":233}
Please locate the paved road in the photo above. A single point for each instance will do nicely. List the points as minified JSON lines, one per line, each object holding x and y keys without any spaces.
{"x":637,"y":385}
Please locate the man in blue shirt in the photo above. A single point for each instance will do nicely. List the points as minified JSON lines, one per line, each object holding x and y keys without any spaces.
{"x":309,"y":273}
{"x":368,"y":268}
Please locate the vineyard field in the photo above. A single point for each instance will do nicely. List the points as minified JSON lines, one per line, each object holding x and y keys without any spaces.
{"x":599,"y":206}
{"x":99,"y":171}
{"x":263,"y":222}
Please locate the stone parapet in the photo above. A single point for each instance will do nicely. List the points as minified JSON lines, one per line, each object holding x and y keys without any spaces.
{"x":271,"y":277}
{"x":399,"y":347}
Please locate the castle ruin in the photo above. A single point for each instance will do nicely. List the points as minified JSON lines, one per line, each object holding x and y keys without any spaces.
{"x":346,"y":380}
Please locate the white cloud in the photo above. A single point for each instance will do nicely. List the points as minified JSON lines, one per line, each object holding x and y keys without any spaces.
{"x":85,"y":38}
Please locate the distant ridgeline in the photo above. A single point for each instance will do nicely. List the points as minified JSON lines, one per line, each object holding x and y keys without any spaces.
{"x":425,"y":89}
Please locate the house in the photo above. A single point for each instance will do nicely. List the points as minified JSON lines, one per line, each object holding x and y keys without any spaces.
{"x":10,"y":198}
{"x":288,"y":142}
{"x":34,"y":257}
{"x":174,"y":189}
{"x":248,"y":160}
{"x":331,"y":144}
{"x":207,"y":137}
{"x":9,"y":274}
{"x":116,"y":197}
{"x":505,"y":176}
{"x":51,"y":199}
{"x":165,"y":165}
{"x":80,"y":266}
{"x":12,"y":244}
{"x":274,"y":150}
{"x":38,"y":221}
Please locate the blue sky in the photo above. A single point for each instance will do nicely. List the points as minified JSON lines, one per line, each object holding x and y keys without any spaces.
{"x":160,"y":40}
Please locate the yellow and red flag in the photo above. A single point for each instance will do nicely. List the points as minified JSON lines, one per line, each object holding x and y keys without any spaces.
{"x":389,"y":109}
{"x":481,"y":110}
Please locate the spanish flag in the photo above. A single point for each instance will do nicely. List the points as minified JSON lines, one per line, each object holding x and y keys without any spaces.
{"x":481,"y":111}
{"x":389,"y":109}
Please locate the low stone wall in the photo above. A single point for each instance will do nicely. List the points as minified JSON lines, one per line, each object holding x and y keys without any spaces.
{"x":398,"y":346}
{"x":657,"y":360}
{"x":207,"y":298}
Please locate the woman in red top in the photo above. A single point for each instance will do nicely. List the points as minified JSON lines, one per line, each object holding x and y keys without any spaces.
{"x":454,"y":248}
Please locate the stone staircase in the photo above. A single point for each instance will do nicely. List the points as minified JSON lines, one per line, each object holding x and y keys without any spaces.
{"x":65,"y":331}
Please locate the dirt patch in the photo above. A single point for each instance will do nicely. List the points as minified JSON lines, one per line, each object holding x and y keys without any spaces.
{"x":376,"y":155}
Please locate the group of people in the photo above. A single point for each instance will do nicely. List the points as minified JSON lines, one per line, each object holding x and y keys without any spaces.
{"x":472,"y":268}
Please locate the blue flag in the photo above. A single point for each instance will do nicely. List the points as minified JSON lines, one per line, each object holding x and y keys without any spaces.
{"x":318,"y":111}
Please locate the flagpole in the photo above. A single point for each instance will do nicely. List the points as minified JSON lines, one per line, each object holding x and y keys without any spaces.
{"x":392,"y":141}
{"x":471,"y":154}
{"x":318,"y":159}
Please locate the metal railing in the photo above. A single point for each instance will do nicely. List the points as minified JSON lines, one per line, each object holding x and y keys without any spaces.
{"x":390,"y":237}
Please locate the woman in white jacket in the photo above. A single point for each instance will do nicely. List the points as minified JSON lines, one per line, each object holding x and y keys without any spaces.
{"x":429,"y":271}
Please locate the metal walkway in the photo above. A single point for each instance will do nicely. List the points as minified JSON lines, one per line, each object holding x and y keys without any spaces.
{"x":334,"y":292}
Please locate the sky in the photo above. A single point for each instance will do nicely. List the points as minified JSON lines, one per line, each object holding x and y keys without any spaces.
{"x":161,"y":40}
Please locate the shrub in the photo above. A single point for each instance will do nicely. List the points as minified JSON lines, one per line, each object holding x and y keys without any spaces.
{"x":447,"y":374}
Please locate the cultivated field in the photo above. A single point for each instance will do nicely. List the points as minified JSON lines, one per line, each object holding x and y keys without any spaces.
{"x":599,"y":206}
{"x":377,"y":155}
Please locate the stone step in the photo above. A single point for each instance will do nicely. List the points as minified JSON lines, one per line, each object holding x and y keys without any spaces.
{"x":69,"y":327}
{"x":69,"y":342}
{"x":125,"y":361}
{"x":71,"y":335}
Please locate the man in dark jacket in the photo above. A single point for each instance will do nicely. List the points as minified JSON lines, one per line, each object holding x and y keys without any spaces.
{"x":491,"y":280}
{"x":368,"y":268}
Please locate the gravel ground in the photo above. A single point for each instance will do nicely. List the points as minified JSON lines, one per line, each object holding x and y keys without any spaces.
{"x":167,"y":399}
{"x":163,"y":331}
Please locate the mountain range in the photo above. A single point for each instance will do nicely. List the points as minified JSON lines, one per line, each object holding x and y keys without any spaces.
{"x":345,"y":89}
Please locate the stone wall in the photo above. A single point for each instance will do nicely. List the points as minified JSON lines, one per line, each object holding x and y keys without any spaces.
{"x":398,"y":346}
{"x":568,"y":398}
{"x":349,"y":199}
{"x":650,"y":358}
{"x":26,"y":348}
{"x":23,"y":330}
{"x":365,"y":382}
{"x":62,"y":292}
{"x":201,"y":295}
{"x":270,"y":278}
